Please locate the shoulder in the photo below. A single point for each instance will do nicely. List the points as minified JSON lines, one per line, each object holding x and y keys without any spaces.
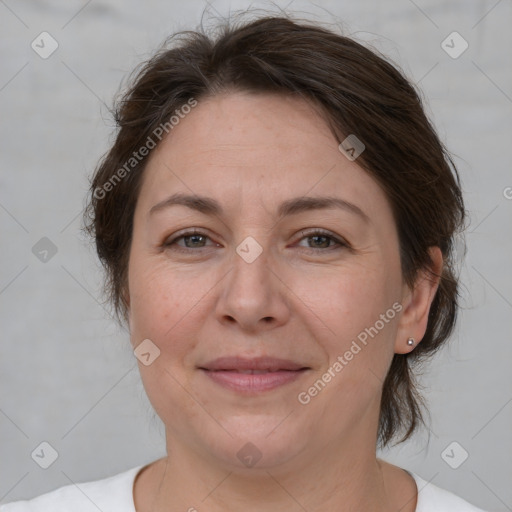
{"x":434,"y":499}
{"x":112,"y":494}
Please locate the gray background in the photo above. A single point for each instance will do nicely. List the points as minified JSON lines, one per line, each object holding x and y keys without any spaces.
{"x":68,"y":375}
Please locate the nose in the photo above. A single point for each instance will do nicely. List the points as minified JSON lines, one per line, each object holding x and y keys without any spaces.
{"x":253,"y":294}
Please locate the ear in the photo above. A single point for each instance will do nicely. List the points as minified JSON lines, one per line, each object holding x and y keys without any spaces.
{"x":416,"y":304}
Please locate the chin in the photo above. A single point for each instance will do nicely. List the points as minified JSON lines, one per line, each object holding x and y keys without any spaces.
{"x":257,"y":443}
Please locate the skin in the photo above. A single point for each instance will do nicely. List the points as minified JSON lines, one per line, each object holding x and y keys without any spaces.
{"x":303,"y":298}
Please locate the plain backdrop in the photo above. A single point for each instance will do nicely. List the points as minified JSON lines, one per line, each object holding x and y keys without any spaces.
{"x":68,"y":375}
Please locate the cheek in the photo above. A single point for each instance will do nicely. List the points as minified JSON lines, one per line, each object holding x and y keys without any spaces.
{"x":162,"y":310}
{"x":167,"y":304}
{"x":358,"y":345}
{"x":154,"y":301}
{"x":355,"y":300}
{"x":149,"y":300}
{"x":360,"y":311}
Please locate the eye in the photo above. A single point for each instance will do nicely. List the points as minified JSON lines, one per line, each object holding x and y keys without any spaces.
{"x":192,"y":239}
{"x":322,"y":240}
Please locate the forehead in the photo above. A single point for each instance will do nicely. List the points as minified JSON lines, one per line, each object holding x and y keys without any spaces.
{"x":244,"y":129}
{"x":245,"y":147}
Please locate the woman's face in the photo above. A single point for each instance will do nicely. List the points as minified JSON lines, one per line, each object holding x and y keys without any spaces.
{"x":260,"y":281}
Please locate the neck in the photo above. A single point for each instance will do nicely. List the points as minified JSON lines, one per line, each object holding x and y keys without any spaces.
{"x":339,"y":478}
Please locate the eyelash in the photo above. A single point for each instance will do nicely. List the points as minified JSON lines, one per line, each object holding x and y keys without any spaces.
{"x":318,"y":232}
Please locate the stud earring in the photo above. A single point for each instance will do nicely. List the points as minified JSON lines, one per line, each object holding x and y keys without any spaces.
{"x":410,"y":341}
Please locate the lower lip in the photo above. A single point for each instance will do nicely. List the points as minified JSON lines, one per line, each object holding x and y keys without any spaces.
{"x":253,"y":382}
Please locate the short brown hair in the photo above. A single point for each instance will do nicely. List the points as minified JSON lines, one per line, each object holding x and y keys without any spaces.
{"x":360,"y":93}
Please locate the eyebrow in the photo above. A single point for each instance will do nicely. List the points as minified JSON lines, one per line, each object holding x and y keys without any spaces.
{"x":210,"y":206}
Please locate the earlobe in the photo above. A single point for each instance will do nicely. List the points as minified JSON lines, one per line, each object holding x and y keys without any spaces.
{"x":413,"y":322}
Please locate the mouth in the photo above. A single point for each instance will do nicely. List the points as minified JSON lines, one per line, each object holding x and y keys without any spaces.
{"x":252,"y":376}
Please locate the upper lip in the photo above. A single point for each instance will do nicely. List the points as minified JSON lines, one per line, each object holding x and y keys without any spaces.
{"x":258,"y":363}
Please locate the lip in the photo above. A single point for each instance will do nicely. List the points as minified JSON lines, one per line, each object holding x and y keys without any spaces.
{"x":252,"y":375}
{"x":272,"y":364}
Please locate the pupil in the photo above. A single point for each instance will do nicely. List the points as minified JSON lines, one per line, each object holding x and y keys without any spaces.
{"x":195,"y":238}
{"x":320,"y":237}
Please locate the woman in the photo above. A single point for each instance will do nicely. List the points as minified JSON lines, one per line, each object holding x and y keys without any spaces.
{"x":276,"y":219}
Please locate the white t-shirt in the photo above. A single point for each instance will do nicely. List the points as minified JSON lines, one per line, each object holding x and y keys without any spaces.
{"x":115,"y":494}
